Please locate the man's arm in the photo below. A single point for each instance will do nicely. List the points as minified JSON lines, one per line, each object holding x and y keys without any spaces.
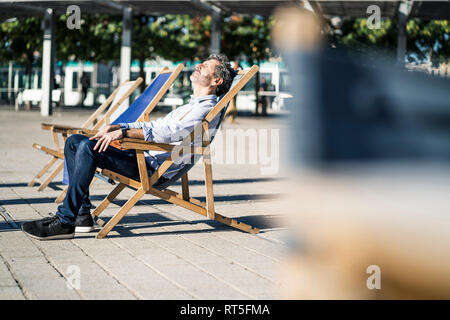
{"x":135,"y":133}
{"x":168,"y":129}
{"x":175,"y":127}
{"x":111,"y":133}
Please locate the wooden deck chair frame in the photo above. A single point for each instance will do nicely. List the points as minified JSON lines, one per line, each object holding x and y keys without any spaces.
{"x":145,"y":115}
{"x":57,"y":152}
{"x":146,"y":184}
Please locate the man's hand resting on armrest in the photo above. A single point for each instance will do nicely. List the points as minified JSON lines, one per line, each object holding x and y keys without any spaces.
{"x":111,"y":133}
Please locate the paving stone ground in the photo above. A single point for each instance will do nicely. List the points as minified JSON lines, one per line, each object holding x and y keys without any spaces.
{"x":158,"y":250}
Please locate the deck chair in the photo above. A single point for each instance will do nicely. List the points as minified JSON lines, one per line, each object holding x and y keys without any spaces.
{"x":115,"y":100}
{"x":139,"y":110}
{"x":159,"y":187}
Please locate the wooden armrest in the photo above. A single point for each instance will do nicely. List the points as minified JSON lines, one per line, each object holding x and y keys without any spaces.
{"x":59,"y":128}
{"x":86,"y":132}
{"x":139,"y":144}
{"x":50,"y":126}
{"x":47,"y":126}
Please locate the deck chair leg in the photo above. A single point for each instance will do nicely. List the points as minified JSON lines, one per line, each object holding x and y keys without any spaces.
{"x":209,"y":186}
{"x":92,"y":182}
{"x":197,"y":206}
{"x":119,"y":215}
{"x":107,"y":201}
{"x":43,"y":171}
{"x":185,"y":187}
{"x":51,"y":177}
{"x":64,"y":192}
{"x":62,"y":195}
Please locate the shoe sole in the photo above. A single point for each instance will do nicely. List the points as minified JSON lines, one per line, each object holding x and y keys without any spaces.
{"x":84,"y":229}
{"x":55,"y":237}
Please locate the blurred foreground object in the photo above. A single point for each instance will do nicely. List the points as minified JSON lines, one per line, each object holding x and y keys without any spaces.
{"x":370,"y":161}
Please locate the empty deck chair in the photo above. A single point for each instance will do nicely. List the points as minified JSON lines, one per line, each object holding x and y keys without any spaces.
{"x":159,"y":187}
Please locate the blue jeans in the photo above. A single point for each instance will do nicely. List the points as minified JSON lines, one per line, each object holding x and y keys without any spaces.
{"x":82,"y":161}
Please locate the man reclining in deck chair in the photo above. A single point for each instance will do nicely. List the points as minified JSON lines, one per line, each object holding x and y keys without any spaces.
{"x":211,"y":79}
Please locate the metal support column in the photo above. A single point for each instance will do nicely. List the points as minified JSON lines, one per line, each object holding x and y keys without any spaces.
{"x":215,"y":31}
{"x":404,"y":10}
{"x":10,"y":80}
{"x":48,"y":62}
{"x":125,"y":50}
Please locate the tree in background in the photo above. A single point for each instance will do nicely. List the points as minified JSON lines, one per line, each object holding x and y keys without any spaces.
{"x":171,"y":37}
{"x":429,"y":40}
{"x":248,"y":37}
{"x":196,"y":38}
{"x":21,"y":42}
{"x":97,"y":40}
{"x":156,"y":37}
{"x":357,"y":36}
{"x":426,"y":40}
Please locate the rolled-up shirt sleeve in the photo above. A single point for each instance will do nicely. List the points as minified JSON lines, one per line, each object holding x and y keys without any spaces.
{"x":160,"y":130}
{"x":145,"y":126}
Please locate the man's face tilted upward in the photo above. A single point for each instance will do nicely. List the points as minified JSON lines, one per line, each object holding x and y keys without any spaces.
{"x":203,"y":75}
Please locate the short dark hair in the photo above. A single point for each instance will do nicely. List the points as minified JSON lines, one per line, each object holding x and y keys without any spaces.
{"x":224,"y":71}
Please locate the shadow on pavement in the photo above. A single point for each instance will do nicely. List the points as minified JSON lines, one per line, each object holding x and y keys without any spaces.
{"x":145,"y":202}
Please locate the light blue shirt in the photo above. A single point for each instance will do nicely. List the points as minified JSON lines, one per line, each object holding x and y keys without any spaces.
{"x":173,"y":128}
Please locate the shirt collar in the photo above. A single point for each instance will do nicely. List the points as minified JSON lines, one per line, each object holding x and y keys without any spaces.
{"x":203,"y":98}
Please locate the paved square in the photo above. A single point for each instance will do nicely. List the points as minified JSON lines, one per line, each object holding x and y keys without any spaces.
{"x":158,"y":250}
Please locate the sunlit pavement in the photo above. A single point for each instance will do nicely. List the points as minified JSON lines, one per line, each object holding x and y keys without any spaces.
{"x":158,"y":250}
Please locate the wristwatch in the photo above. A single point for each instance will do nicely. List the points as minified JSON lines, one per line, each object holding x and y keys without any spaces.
{"x":124,"y":132}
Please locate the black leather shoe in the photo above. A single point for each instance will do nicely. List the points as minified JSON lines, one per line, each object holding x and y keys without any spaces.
{"x":84,"y":223}
{"x":48,"y":228}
